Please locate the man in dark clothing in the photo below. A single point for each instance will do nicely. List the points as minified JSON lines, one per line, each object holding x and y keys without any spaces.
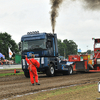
{"x":33,"y":65}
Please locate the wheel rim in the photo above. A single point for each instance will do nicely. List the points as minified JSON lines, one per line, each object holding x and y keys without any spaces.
{"x":52,"y":70}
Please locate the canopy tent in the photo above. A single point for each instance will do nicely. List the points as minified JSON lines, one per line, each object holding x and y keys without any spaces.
{"x":1,"y":55}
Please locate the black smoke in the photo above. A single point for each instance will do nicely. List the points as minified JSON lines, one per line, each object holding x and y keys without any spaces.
{"x":91,"y":4}
{"x":54,"y":12}
{"x":55,"y":4}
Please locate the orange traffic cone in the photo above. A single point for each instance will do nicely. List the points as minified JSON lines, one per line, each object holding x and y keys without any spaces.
{"x":14,"y":70}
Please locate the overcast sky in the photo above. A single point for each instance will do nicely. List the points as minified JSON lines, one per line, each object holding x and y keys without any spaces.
{"x":17,"y":17}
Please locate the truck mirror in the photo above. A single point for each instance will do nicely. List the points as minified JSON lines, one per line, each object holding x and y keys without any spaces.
{"x":20,"y":46}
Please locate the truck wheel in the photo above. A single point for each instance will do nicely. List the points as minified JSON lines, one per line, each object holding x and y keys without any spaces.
{"x":50,"y":71}
{"x":69,"y":72}
{"x":26,"y":74}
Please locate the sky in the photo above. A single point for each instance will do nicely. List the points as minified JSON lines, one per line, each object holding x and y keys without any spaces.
{"x":74,"y":22}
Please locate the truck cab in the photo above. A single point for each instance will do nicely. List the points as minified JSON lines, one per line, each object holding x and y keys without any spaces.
{"x":44,"y":47}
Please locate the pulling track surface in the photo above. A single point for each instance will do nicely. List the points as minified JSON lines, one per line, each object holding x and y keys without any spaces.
{"x":18,"y":84}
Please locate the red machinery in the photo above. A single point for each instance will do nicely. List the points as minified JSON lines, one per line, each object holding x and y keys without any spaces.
{"x":86,"y":62}
{"x":96,"y":57}
{"x":81,"y":62}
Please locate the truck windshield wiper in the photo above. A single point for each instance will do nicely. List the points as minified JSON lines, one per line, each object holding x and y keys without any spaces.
{"x":34,"y":49}
{"x":38,"y":48}
{"x":25,"y":50}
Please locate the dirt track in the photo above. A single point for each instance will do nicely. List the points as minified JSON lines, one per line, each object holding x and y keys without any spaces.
{"x":17,"y":85}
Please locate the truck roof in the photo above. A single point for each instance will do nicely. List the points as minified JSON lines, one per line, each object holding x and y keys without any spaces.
{"x":29,"y":35}
{"x":36,"y":36}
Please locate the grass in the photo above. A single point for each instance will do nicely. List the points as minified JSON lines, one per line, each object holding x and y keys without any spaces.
{"x":81,"y":92}
{"x":65,"y":94}
{"x":8,"y":74}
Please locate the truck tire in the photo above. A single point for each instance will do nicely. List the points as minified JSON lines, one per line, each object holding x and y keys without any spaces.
{"x":69,"y":72}
{"x":50,"y":71}
{"x":26,"y":73}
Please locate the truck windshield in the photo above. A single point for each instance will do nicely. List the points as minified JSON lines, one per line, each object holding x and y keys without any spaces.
{"x":33,"y":45}
{"x":97,"y":45}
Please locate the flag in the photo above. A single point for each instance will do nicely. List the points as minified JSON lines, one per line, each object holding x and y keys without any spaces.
{"x":10,"y":53}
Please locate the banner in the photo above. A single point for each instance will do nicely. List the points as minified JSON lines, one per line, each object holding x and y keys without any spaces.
{"x":10,"y":53}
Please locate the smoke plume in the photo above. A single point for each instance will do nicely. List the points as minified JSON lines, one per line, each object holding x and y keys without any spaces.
{"x":55,"y":4}
{"x":54,"y":12}
{"x":92,"y":4}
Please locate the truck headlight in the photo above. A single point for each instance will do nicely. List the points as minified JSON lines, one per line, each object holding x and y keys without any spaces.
{"x":42,"y":60}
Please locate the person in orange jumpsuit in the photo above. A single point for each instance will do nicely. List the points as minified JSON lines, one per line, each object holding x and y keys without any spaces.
{"x":33,"y":65}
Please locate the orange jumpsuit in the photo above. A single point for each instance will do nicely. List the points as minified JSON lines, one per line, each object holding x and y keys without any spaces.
{"x":33,"y":71}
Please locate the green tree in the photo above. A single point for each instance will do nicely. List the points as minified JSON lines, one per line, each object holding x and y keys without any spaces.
{"x":5,"y":42}
{"x":89,"y":52}
{"x":71,"y":47}
{"x":61,"y":47}
{"x":66,"y":47}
